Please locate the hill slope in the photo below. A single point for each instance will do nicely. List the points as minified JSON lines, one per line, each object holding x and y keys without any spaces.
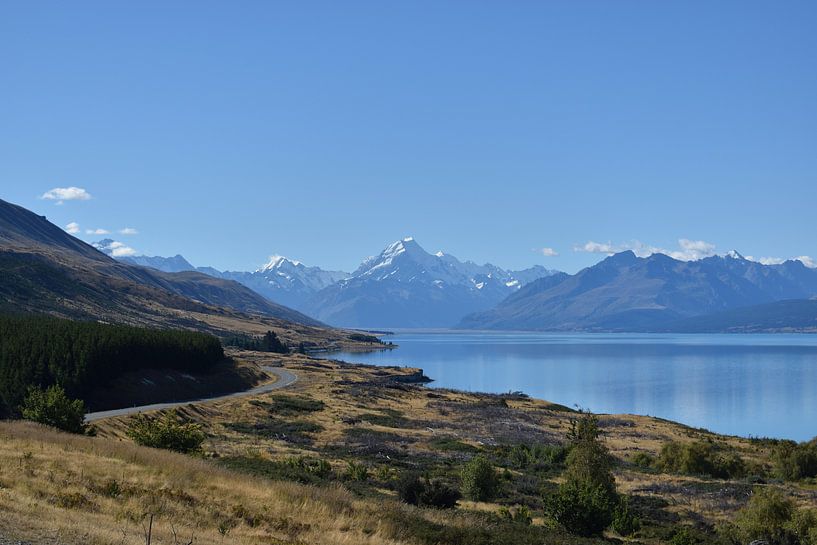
{"x":45,"y":269}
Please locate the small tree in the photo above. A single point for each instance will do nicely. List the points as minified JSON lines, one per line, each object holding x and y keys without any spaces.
{"x":271,"y":343}
{"x":53,"y":407}
{"x":586,"y":502}
{"x":166,"y":432}
{"x":479,"y":480}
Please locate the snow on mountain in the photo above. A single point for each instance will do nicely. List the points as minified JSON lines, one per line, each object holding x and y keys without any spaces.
{"x":405,"y":286}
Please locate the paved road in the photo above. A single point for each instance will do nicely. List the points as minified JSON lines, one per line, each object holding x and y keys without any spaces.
{"x":285,"y":378}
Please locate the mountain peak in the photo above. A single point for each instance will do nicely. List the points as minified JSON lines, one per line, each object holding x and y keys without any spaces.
{"x":277,"y":261}
{"x":734,"y":254}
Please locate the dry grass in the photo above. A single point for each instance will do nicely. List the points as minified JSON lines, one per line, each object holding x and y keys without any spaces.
{"x":101,"y":491}
{"x":65,"y":483}
{"x":351,"y":394}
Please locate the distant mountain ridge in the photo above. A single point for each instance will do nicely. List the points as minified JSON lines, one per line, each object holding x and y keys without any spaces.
{"x":628,"y":293}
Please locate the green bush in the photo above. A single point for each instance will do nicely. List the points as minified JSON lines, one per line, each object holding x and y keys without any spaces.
{"x":643,"y":460}
{"x":625,"y":522}
{"x":356,"y":471}
{"x":53,"y":408}
{"x":700,"y":458}
{"x":416,"y":490}
{"x":794,"y":461}
{"x":519,"y":514}
{"x":682,"y":537}
{"x":315,"y":466}
{"x":479,"y":480}
{"x":767,"y":517}
{"x":582,"y":507}
{"x":166,"y":432}
{"x":537,"y":456}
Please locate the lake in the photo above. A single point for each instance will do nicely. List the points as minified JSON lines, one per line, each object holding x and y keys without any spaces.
{"x":759,"y":385}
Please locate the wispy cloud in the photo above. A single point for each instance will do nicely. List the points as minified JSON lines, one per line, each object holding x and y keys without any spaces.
{"x":598,"y":248}
{"x":766,"y":260}
{"x":72,"y":228}
{"x":128,"y":231}
{"x":62,"y":194}
{"x":688,"y":250}
{"x":547,"y":252}
{"x":692,"y":250}
{"x":97,"y":232}
{"x":115,"y":248}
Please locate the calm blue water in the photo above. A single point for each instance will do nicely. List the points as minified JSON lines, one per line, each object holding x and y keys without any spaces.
{"x":760,"y":385}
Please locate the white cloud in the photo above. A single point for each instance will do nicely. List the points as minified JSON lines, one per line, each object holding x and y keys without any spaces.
{"x":97,"y":232}
{"x":72,"y":228}
{"x":807,"y":261}
{"x":62,"y":194}
{"x":690,"y":250}
{"x":598,"y":248}
{"x":548,"y":252}
{"x":114,"y":248}
{"x":766,"y":260}
{"x":128,"y":231}
{"x":123,"y":251}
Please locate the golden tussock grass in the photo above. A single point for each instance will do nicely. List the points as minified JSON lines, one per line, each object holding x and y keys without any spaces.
{"x":100,"y":491}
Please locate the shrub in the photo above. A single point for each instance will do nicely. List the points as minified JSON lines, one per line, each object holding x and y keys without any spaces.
{"x":415,"y":490}
{"x":53,"y":408}
{"x":582,"y":507}
{"x":643,"y":460}
{"x":625,"y":522}
{"x":315,"y":466}
{"x":479,"y":480}
{"x":538,"y":456}
{"x":520,"y":514}
{"x":700,"y":458}
{"x":766,"y":517}
{"x":795,"y":461}
{"x":356,"y":471}
{"x":166,"y":432}
{"x":682,"y":537}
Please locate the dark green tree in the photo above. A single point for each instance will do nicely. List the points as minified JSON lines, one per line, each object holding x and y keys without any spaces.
{"x":271,"y":343}
{"x":53,"y":408}
{"x":586,"y":502}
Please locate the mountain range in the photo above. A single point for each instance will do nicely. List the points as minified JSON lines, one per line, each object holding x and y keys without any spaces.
{"x":658,"y":293}
{"x":403,"y":286}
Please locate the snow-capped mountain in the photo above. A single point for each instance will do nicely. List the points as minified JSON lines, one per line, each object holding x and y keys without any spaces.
{"x":405,"y":286}
{"x":287,"y":281}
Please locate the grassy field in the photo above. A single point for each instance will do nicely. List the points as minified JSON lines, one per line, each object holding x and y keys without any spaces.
{"x":256,"y":480}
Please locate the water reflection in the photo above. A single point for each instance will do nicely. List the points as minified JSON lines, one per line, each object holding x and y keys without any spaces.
{"x":761,"y":385}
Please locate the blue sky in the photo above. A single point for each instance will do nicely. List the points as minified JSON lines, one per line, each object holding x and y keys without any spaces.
{"x":229,"y":131}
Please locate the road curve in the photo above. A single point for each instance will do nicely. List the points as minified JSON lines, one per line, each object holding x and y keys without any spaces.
{"x":285,"y":378}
